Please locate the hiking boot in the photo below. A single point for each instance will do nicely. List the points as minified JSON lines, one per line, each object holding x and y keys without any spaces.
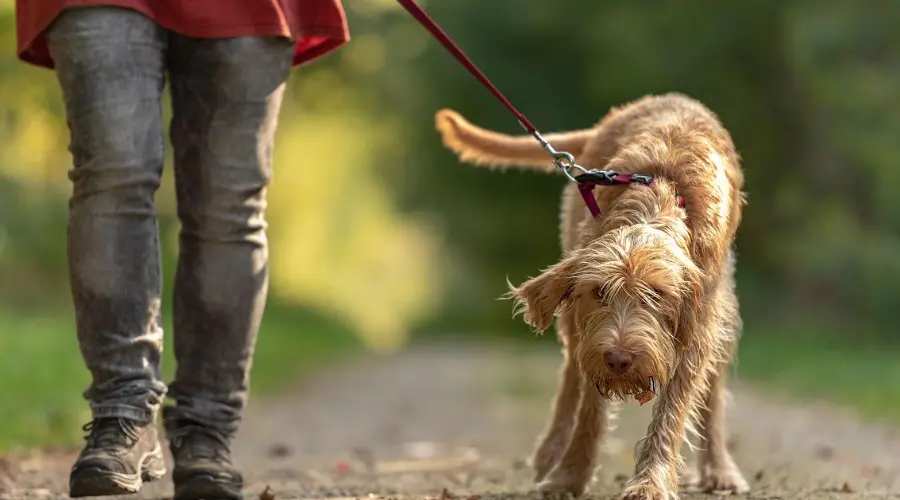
{"x":119,"y":456}
{"x":203,"y":467}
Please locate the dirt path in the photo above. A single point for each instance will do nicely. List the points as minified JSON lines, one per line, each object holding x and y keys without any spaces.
{"x":465,"y":420}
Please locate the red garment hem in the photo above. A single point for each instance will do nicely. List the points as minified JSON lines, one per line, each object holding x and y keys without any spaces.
{"x":311,"y":41}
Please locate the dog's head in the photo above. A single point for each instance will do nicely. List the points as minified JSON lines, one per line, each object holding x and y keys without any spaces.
{"x":630,"y":291}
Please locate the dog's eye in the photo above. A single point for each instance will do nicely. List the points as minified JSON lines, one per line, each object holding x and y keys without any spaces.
{"x":601,"y":293}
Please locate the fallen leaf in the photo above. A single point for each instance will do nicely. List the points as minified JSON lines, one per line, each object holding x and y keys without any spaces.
{"x":870,"y":470}
{"x":342,"y":466}
{"x":366,"y":457}
{"x":845,"y":488}
{"x":824,"y":452}
{"x":279,"y":451}
{"x":446,"y":495}
{"x":267,"y":494}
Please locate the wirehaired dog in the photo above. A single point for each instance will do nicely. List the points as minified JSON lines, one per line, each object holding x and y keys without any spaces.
{"x":644,"y":294}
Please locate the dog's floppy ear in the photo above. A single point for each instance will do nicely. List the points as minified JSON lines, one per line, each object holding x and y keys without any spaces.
{"x":541,"y":298}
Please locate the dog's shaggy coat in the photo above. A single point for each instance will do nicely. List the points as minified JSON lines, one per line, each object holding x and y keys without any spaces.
{"x":643,"y":292}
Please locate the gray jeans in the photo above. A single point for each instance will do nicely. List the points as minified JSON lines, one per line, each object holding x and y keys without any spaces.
{"x":112,"y":64}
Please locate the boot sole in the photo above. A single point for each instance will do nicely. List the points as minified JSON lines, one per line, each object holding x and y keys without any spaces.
{"x":203,"y":486}
{"x":96,"y":482}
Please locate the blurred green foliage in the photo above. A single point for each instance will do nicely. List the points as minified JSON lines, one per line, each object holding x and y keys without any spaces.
{"x":376,"y":226}
{"x":807,"y":88}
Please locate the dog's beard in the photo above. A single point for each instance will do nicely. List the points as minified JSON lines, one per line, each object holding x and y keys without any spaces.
{"x":636,"y":331}
{"x":621,"y":388}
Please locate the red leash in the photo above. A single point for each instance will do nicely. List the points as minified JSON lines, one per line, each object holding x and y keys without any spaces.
{"x":563,"y":160}
{"x":447,"y":42}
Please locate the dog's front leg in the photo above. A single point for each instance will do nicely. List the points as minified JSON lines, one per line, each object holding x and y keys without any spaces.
{"x":658,"y":454}
{"x":565,"y":405}
{"x":576,"y":467}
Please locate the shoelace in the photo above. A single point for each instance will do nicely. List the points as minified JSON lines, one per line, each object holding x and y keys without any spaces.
{"x":111,"y":431}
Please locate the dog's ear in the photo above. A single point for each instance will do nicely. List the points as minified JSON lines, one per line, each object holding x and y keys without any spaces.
{"x":541,"y":298}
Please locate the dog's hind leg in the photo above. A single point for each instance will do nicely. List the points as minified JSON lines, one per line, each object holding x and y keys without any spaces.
{"x":576,"y":467}
{"x":565,"y":406}
{"x":718,"y":471}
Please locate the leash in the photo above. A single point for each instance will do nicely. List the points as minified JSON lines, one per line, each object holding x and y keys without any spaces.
{"x":565,"y":161}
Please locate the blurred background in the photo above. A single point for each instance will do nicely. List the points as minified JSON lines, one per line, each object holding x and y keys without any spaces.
{"x":380,"y":238}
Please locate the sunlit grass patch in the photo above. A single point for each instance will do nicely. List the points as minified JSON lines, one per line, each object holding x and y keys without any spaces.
{"x":42,"y":375}
{"x":810,"y":362}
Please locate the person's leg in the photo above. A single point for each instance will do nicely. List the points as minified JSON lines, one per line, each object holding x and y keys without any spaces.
{"x":226,"y":94}
{"x":110,"y":65}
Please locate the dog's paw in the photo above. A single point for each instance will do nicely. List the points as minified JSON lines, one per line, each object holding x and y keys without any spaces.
{"x":559,"y":481}
{"x":642,"y":489}
{"x":689,"y":478}
{"x":724,"y":480}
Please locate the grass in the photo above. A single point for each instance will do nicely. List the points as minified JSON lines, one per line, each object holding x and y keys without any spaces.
{"x":824,"y":363}
{"x":42,"y":375}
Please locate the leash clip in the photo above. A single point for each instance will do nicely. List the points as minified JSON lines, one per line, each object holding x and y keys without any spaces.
{"x":566,"y":162}
{"x":563,"y":160}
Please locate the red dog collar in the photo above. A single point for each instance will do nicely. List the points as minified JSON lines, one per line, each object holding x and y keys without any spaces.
{"x":588,"y":180}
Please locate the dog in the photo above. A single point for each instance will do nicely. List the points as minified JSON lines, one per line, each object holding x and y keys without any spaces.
{"x":644,"y":295}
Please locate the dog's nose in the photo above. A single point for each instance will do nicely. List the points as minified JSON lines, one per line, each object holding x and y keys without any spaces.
{"x":619,"y":362}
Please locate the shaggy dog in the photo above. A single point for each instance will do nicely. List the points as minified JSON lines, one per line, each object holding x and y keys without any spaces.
{"x":644,"y":294}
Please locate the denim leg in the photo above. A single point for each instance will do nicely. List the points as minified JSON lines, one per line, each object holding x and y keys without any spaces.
{"x":110,"y":64}
{"x":226,"y":95}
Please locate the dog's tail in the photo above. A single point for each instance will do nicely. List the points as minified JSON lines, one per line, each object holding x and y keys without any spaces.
{"x":485,"y":147}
